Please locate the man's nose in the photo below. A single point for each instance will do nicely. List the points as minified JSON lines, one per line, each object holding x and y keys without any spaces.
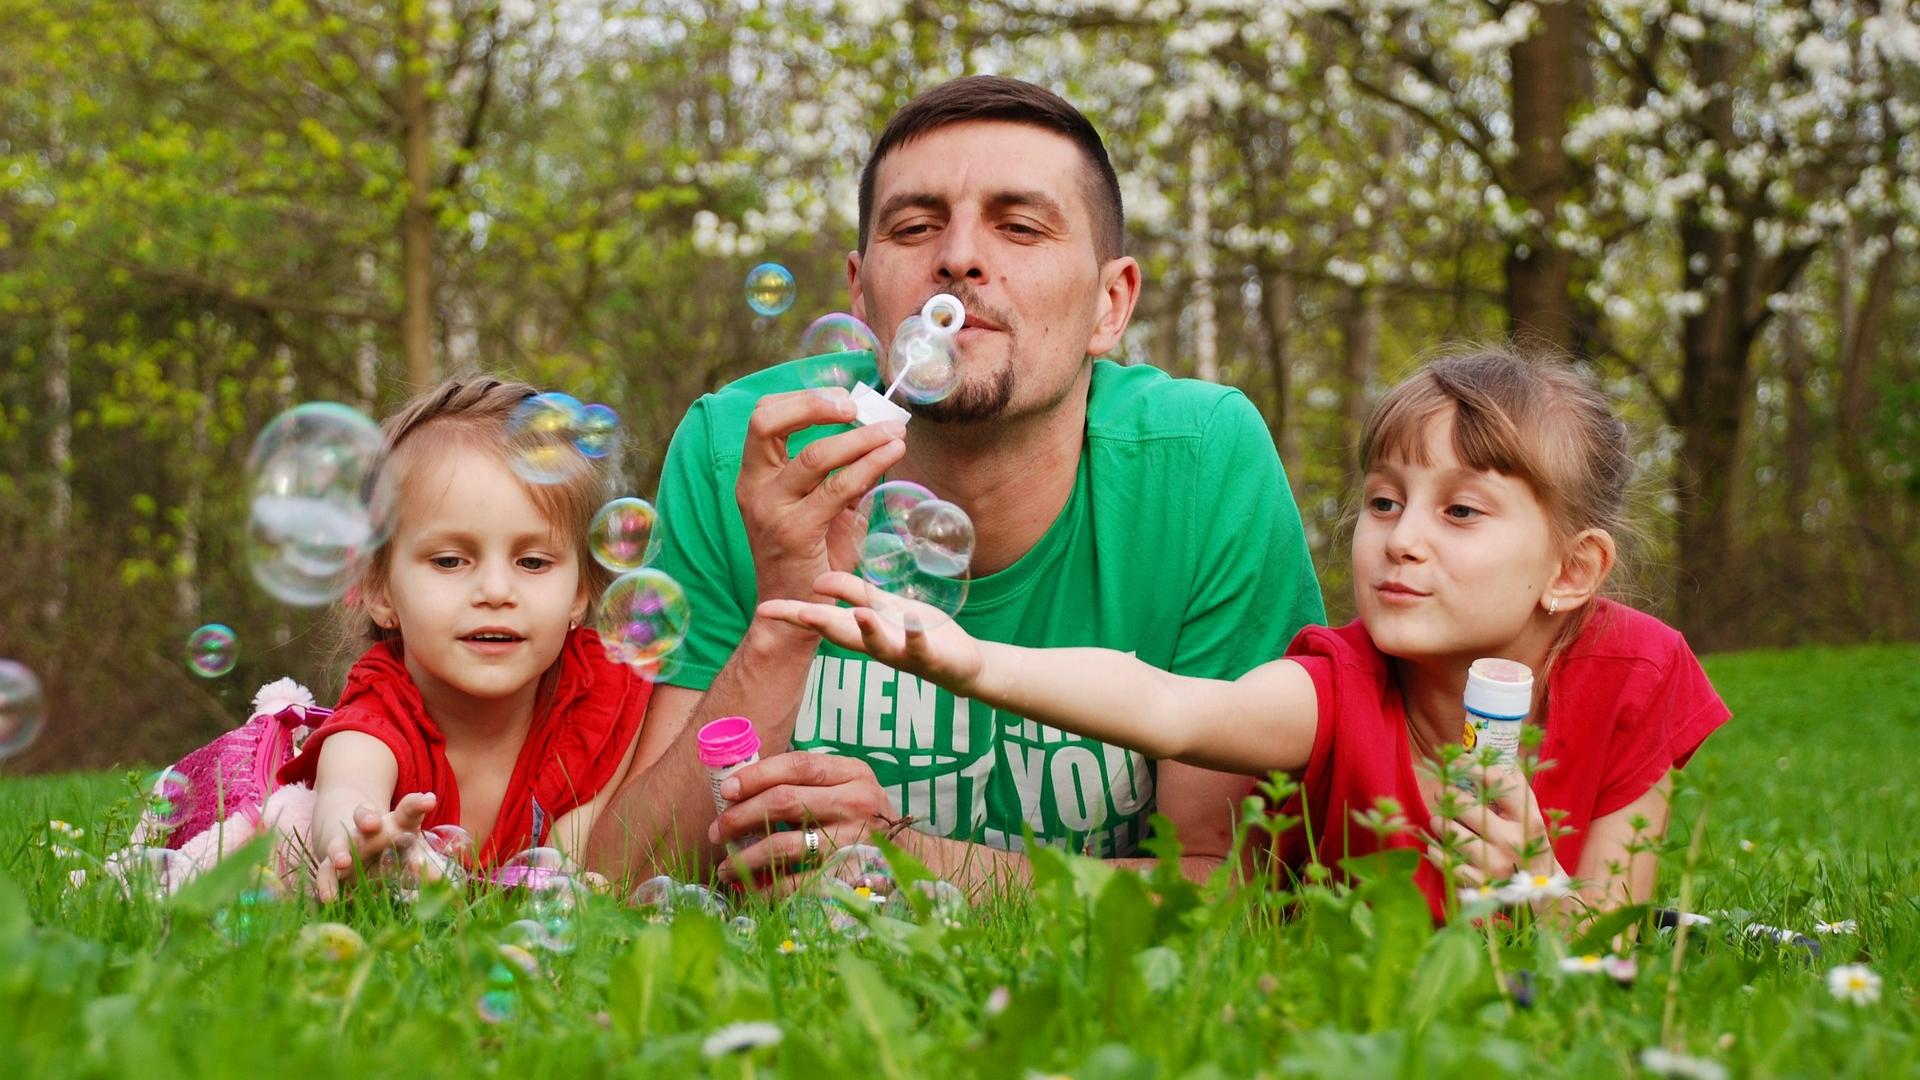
{"x":962,"y":254}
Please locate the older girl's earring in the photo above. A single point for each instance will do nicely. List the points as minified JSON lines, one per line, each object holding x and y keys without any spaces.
{"x":573,"y":624}
{"x":1553,"y":605}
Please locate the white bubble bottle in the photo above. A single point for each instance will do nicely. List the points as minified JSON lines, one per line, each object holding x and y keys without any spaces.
{"x":726,"y":746}
{"x":1499,"y":696}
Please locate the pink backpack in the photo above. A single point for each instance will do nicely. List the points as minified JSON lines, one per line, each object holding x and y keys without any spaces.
{"x":235,"y":773}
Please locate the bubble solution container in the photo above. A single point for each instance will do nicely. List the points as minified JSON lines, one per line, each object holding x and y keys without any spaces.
{"x":1499,"y":696}
{"x":726,"y":746}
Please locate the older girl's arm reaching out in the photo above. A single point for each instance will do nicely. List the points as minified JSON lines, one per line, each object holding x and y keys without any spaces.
{"x":1263,"y":721}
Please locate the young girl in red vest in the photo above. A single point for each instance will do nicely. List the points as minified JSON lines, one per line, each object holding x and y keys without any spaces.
{"x":482,"y":702}
{"x":1493,"y":487}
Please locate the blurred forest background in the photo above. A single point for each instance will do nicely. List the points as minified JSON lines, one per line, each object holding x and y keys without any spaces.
{"x":211,"y":211}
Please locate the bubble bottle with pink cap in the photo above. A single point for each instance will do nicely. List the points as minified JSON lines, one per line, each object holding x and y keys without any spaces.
{"x":726,"y":746}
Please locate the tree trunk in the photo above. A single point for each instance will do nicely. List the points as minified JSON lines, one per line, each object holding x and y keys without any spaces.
{"x":1859,"y":343}
{"x":416,"y":219}
{"x":1361,"y":349}
{"x":59,"y":464}
{"x":1206,"y":325}
{"x":366,"y":352}
{"x":1276,"y":313}
{"x":1539,"y":273}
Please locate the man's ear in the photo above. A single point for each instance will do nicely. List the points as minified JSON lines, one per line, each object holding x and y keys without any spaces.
{"x":856,"y":296}
{"x":1583,"y":570}
{"x":1119,"y":291}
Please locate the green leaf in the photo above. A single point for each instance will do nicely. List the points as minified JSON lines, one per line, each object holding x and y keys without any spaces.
{"x":1450,"y":969}
{"x":634,"y":986}
{"x":1604,"y":929}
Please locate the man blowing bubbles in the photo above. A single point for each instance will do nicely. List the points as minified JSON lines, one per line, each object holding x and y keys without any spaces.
{"x":1114,"y":506}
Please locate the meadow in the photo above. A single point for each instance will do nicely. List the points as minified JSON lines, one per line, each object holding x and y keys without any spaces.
{"x":1798,"y":815}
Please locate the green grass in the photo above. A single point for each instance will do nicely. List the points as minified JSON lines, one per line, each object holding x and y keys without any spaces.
{"x":1808,"y":800}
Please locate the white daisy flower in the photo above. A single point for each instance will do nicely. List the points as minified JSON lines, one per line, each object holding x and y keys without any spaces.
{"x":739,"y":1038}
{"x":1746,"y":846}
{"x":1667,"y":1063}
{"x":788,"y":947}
{"x":1478,"y":894}
{"x":1844,"y":926}
{"x":1855,"y":983}
{"x":1535,"y":885}
{"x":998,"y":1000}
{"x":1590,"y":964}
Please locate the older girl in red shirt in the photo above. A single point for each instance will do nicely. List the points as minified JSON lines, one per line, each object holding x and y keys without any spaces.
{"x":1494,"y":485}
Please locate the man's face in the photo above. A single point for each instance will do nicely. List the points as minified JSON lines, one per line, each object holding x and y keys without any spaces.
{"x":997,"y":214}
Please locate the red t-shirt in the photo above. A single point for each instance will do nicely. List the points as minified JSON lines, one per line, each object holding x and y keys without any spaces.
{"x":1626,"y":702}
{"x":572,"y":750}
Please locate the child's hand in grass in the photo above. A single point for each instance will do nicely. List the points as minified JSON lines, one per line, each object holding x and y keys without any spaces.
{"x":342,"y":844}
{"x":912,"y":636}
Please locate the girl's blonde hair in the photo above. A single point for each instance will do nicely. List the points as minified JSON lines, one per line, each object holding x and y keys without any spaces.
{"x":1526,"y":411}
{"x":468,"y":414}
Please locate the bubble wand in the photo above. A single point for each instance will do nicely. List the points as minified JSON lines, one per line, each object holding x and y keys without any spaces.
{"x":943,"y":315}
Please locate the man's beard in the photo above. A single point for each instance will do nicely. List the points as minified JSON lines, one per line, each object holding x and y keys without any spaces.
{"x":970,"y":403}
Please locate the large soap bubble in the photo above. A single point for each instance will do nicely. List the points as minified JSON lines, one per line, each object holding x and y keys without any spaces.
{"x":643,"y":616}
{"x":543,"y":436}
{"x":916,"y":546}
{"x":624,"y":535}
{"x":318,"y":505}
{"x":825,"y":348}
{"x":923,"y":364}
{"x":23,"y":709}
{"x":599,"y":430}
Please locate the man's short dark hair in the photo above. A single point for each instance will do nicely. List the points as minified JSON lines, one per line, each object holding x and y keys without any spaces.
{"x":994,"y":97}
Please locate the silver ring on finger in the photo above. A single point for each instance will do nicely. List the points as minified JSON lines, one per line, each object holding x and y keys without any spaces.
{"x":812,"y":838}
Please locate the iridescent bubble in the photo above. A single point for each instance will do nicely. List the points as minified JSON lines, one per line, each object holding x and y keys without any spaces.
{"x":642,"y":617}
{"x":942,"y":900}
{"x":330,"y":942}
{"x":655,"y":897}
{"x":450,"y":842}
{"x":599,"y":431}
{"x":212,"y":650}
{"x":923,"y":364}
{"x":743,"y":927}
{"x":169,"y":794}
{"x":916,"y":547}
{"x":696,"y":897}
{"x":825,"y":345}
{"x":770,"y":289}
{"x":625,"y":534}
{"x":318,"y":503}
{"x":23,"y":709}
{"x":497,"y":1006}
{"x":862,"y":868}
{"x":658,"y":670}
{"x":541,"y":434}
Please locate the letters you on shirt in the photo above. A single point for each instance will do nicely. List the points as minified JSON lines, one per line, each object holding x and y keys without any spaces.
{"x":946,"y":760}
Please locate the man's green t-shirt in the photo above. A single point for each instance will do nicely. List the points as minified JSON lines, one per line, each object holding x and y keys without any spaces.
{"x":1180,"y":544}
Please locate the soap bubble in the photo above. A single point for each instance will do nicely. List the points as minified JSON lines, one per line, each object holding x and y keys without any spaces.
{"x":769,"y":289}
{"x":825,"y":345}
{"x":169,"y":794}
{"x":318,"y":504}
{"x":642,"y":617}
{"x":922,"y":362}
{"x":497,"y":1006}
{"x":657,"y":670}
{"x":743,"y":927}
{"x":944,"y":902}
{"x":655,"y":897}
{"x":917,"y":547}
{"x":599,"y":431}
{"x":212,"y":650}
{"x":862,"y":868}
{"x":625,"y":534}
{"x":541,"y":436}
{"x":450,"y":842}
{"x":696,"y":897}
{"x":23,"y":709}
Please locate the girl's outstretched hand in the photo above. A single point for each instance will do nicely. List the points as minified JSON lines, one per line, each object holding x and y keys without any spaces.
{"x":903,"y":634}
{"x":371,"y":834}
